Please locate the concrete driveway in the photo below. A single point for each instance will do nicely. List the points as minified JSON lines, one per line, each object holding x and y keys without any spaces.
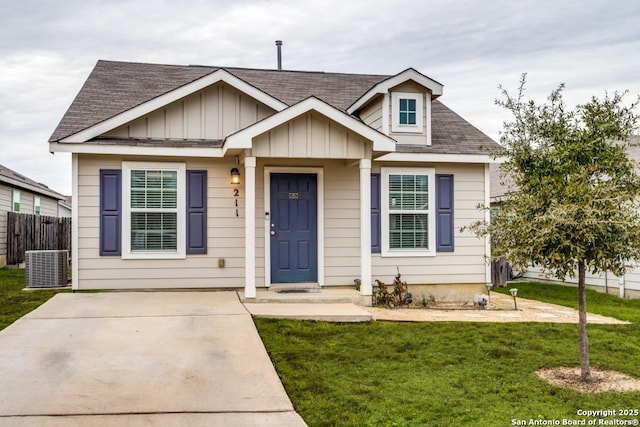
{"x":139,"y":359}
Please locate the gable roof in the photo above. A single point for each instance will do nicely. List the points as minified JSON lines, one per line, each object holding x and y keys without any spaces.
{"x":14,"y":179}
{"x":381,"y":142}
{"x":115,"y":88}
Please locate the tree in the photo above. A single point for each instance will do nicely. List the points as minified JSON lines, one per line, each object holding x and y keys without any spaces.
{"x":575,"y":199}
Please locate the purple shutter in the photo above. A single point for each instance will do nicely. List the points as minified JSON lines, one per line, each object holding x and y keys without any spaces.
{"x":196,"y":212}
{"x":376,"y":226}
{"x":444,"y":213}
{"x":110,"y":212}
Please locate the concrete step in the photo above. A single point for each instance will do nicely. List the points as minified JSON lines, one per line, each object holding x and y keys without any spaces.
{"x":334,"y":312}
{"x":305,"y":295}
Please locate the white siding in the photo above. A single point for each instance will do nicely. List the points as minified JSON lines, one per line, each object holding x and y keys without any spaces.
{"x":466,"y":264}
{"x":311,"y":136}
{"x":632,"y":279}
{"x":225,"y":236}
{"x":212,"y":113}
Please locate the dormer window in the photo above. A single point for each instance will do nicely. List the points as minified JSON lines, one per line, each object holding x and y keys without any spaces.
{"x":407,"y":112}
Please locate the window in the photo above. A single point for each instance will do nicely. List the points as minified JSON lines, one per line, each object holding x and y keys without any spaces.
{"x":36,"y":205}
{"x":408,"y":220}
{"x":407,"y":112}
{"x":16,"y":201}
{"x":154,"y":210}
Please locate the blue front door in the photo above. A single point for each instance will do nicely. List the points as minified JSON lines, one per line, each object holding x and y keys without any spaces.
{"x":294,"y":228}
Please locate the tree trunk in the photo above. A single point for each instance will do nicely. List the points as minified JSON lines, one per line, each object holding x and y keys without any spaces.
{"x":585,"y":369}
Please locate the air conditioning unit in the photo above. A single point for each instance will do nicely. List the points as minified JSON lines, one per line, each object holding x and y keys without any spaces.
{"x":46,"y":269}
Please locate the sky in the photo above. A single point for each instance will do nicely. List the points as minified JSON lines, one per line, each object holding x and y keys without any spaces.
{"x":48,"y":48}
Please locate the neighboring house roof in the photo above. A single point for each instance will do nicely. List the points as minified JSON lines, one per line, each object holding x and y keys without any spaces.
{"x":14,"y":179}
{"x":500,"y":185}
{"x":113,"y":88}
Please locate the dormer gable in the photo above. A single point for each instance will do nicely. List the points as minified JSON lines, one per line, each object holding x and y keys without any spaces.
{"x":400,"y":107}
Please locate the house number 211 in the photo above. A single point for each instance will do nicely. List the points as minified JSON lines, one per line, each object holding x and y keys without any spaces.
{"x":236,"y":194}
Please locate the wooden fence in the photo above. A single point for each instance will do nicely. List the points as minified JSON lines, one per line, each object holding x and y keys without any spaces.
{"x":35,"y":232}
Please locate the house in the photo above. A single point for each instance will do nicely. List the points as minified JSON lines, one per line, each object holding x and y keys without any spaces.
{"x":21,"y":194}
{"x":216,"y":177}
{"x":627,"y":286}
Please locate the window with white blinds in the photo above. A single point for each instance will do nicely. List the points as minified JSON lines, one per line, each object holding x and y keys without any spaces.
{"x":154,"y":210}
{"x":407,"y":222}
{"x":155,"y":205}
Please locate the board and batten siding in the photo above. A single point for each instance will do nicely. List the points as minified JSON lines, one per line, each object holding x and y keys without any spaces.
{"x":311,"y":136}
{"x":225,"y":235}
{"x":466,"y":264}
{"x":212,"y":113}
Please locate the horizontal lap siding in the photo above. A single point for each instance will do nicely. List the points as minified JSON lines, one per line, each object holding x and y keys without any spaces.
{"x":464,"y":265}
{"x":5,"y":206}
{"x":225,"y":235}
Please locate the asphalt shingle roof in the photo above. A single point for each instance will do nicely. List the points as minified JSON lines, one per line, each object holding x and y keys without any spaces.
{"x":14,"y":179}
{"x":115,"y":87}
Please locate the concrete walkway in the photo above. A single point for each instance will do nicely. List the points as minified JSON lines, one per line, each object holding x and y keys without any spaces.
{"x":139,"y":359}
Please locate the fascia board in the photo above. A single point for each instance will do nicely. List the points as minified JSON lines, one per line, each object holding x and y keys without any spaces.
{"x":172,"y":96}
{"x":437,"y":158}
{"x":136,"y":150}
{"x":384,"y":87}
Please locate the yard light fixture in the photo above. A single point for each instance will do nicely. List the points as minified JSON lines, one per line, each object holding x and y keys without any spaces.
{"x":514,"y":293}
{"x":235,"y":176}
{"x":489,"y":286}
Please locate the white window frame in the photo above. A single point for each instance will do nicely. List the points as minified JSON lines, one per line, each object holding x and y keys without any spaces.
{"x":15,"y":199}
{"x":396,"y":126}
{"x":180,"y":252}
{"x":37,"y":205}
{"x":431,"y":236}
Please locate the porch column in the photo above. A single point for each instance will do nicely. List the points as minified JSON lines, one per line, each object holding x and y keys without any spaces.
{"x":365,"y":227}
{"x":250,"y":227}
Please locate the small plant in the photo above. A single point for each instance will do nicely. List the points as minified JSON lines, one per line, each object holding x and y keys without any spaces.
{"x":397,"y":296}
{"x":426,"y":302}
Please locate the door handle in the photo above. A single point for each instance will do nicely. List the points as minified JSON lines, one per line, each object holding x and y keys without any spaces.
{"x":273,"y":233}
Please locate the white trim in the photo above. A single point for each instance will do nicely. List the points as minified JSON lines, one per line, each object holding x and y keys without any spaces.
{"x":396,"y":126}
{"x":365,"y":227}
{"x":89,"y":148}
{"x":386,"y":85}
{"x":487,"y":218}
{"x":437,"y":158}
{"x":243,"y":138}
{"x":180,"y":252}
{"x":15,"y":194}
{"x":268,"y":170}
{"x":384,"y":201}
{"x":75,"y":227}
{"x":172,"y":96}
{"x":250,"y":227}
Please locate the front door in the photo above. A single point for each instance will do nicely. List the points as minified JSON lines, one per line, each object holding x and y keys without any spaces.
{"x":294,"y":228}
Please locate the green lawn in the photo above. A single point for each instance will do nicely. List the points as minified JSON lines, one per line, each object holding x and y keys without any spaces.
{"x":447,"y":374}
{"x":14,"y":302}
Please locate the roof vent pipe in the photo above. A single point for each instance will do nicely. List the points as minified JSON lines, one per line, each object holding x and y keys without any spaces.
{"x":279,"y":47}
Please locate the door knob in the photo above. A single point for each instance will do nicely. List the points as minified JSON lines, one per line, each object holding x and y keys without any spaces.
{"x":273,"y":233}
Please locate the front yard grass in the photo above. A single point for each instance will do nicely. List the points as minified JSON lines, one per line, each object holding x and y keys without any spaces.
{"x":14,"y":302}
{"x":446,"y":374}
